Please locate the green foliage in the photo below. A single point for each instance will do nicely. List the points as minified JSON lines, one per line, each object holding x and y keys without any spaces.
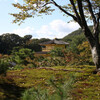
{"x":23,"y":56}
{"x":79,"y":10}
{"x":74,"y":34}
{"x":43,"y":40}
{"x":4,"y":66}
{"x":32,"y":8}
{"x":27,"y":37}
{"x":9,"y":41}
{"x":74,"y":39}
{"x":33,"y":45}
{"x":82,"y":88}
{"x":17,"y":67}
{"x":35,"y":94}
{"x":57,"y":52}
{"x":85,"y":53}
{"x":50,"y":61}
{"x":61,"y":91}
{"x":82,"y":57}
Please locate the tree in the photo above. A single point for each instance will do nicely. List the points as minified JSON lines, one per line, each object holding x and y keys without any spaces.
{"x":33,"y":45}
{"x":85,"y":53}
{"x":58,"y":52}
{"x":22,"y":56}
{"x":79,"y":10}
{"x":8,"y":42}
{"x":27,"y":38}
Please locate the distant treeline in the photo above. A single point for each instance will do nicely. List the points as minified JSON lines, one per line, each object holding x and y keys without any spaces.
{"x":10,"y":41}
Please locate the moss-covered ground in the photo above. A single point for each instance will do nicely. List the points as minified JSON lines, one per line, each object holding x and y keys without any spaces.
{"x":86,"y":86}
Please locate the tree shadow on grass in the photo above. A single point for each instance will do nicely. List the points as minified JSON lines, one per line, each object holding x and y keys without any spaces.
{"x":11,"y":91}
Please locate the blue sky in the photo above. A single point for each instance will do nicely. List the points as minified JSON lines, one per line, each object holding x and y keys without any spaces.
{"x":48,"y":26}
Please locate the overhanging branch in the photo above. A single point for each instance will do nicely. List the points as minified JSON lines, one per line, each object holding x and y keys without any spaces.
{"x":58,"y":6}
{"x":75,"y":10}
{"x":82,"y":16}
{"x":47,"y":4}
{"x":91,"y":11}
{"x":97,"y":24}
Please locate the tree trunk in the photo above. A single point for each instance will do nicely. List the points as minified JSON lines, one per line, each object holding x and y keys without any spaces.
{"x":96,"y":56}
{"x":95,"y":47}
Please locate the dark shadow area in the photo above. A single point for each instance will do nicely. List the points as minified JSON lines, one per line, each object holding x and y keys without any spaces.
{"x":11,"y":91}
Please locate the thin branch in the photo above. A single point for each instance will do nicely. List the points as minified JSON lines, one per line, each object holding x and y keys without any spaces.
{"x":87,"y":31}
{"x":81,"y":12}
{"x":91,"y":11}
{"x":97,"y":24}
{"x":47,"y":4}
{"x":64,"y":10}
{"x":98,"y":17}
{"x":75,"y":10}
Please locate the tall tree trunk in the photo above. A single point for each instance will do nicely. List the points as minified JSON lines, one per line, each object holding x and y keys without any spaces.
{"x":96,"y":55}
{"x":94,"y":46}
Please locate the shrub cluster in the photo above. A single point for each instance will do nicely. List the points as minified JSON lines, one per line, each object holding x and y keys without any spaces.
{"x":50,"y":61}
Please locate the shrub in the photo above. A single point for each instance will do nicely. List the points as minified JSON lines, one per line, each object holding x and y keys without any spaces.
{"x":85,"y":53}
{"x":58,"y":52}
{"x":50,"y":61}
{"x":83,"y":56}
{"x":23,"y":56}
{"x":4,"y":65}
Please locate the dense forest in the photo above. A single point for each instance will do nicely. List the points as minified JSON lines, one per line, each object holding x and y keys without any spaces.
{"x":9,"y":41}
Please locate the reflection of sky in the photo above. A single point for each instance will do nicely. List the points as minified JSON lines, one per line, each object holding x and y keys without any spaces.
{"x":51,"y":26}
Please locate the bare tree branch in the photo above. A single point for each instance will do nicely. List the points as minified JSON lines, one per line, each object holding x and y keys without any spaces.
{"x":97,"y":24}
{"x":85,"y":27}
{"x":82,"y":16}
{"x":75,"y":10}
{"x":47,"y":4}
{"x":91,"y":11}
{"x":75,"y":18}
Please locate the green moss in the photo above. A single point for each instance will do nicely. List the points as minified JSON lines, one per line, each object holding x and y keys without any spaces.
{"x":32,"y":77}
{"x":86,"y":87}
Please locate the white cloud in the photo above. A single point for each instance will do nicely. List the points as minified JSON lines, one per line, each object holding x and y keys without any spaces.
{"x":61,"y":26}
{"x":24,"y":31}
{"x":55,"y":29}
{"x":45,"y":31}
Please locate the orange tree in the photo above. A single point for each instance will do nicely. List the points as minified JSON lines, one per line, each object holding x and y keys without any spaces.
{"x":79,"y":10}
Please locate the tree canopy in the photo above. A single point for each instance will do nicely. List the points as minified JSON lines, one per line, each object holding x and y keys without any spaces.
{"x":73,"y":8}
